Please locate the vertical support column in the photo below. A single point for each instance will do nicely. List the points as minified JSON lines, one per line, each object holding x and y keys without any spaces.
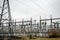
{"x":31,"y":26}
{"x":20,"y":28}
{"x":54,"y":25}
{"x":9,"y":15}
{"x":35,"y":28}
{"x":45,"y":26}
{"x":57,"y":25}
{"x":40,"y":23}
{"x":23,"y":27}
{"x":51,"y":21}
{"x":45,"y":23}
{"x":15,"y":25}
{"x":38,"y":28}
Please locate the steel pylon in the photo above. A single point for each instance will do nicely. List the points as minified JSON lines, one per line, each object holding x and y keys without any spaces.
{"x":5,"y":16}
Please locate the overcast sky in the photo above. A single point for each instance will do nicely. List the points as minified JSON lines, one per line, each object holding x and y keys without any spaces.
{"x":34,"y":8}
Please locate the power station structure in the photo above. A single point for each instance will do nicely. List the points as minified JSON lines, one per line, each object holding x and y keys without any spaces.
{"x":5,"y":17}
{"x":9,"y":27}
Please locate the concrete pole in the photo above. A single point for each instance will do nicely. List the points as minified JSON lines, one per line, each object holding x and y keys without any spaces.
{"x":51,"y":21}
{"x":40,"y":24}
{"x":23,"y":28}
{"x":31,"y":26}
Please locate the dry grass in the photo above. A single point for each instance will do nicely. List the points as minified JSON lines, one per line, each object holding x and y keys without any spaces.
{"x":48,"y":39}
{"x":37,"y":38}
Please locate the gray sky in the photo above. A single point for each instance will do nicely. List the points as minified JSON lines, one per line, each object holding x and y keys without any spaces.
{"x":34,"y":8}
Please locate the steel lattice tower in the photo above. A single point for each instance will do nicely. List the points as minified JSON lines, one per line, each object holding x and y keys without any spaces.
{"x":5,"y":16}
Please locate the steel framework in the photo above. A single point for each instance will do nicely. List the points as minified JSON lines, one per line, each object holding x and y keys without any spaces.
{"x":5,"y":16}
{"x":8,"y":26}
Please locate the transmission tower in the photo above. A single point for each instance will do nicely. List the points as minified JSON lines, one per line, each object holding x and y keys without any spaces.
{"x":5,"y":16}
